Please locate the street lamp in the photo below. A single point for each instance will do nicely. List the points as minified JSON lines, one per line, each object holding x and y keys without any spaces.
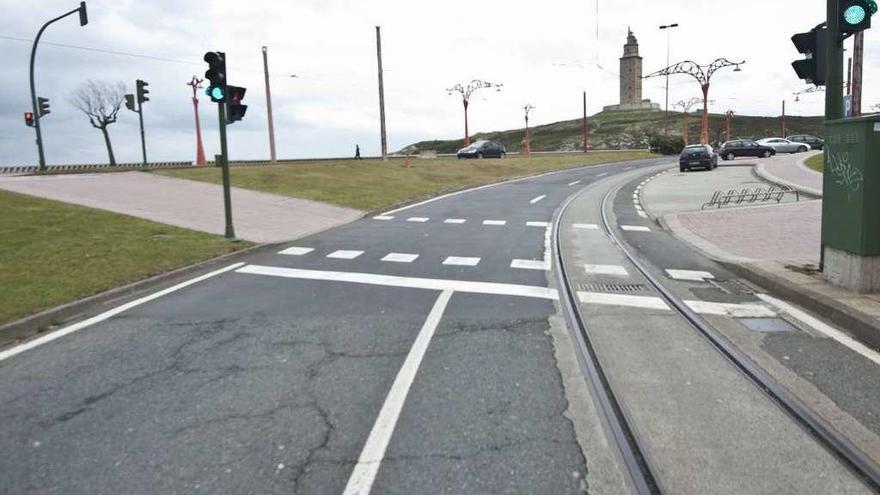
{"x":668,"y":28}
{"x":528,"y":108}
{"x":83,"y":20}
{"x":703,"y":75}
{"x":466,"y":92}
{"x":686,"y":106}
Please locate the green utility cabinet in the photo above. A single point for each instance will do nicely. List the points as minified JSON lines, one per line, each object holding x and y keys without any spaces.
{"x":851,"y":202}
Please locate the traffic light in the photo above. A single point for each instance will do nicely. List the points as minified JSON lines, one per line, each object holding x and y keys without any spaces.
{"x":216,"y":75}
{"x":812,"y":44}
{"x":129,"y":102}
{"x":142,"y":91}
{"x":29,"y":119}
{"x":234,"y":109}
{"x":855,"y":15}
{"x":43,"y":106}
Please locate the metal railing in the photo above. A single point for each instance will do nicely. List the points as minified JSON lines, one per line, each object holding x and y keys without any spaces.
{"x":749,"y":196}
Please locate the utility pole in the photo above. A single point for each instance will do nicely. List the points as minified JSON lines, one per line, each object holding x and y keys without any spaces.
{"x":849,"y":75}
{"x":272,"y":157}
{"x":858,"y":58}
{"x":783,"y":119}
{"x":668,"y":29}
{"x":383,"y":136}
{"x":83,"y":20}
{"x":586,"y":127}
{"x":196,"y":84}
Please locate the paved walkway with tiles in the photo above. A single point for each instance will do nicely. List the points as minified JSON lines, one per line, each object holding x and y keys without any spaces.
{"x":257,"y":216}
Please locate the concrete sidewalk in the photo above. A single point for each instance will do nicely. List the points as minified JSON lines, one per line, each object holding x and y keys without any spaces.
{"x":790,"y":170}
{"x":257,"y":216}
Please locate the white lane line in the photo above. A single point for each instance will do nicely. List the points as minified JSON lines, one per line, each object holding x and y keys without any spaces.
{"x":383,"y":217}
{"x":638,"y":206}
{"x":646,"y":302}
{"x":819,"y":326}
{"x":586,"y":226}
{"x":574,"y":183}
{"x":606,"y":270}
{"x":45,"y":339}
{"x":455,"y":220}
{"x":417,"y":219}
{"x":400,"y":257}
{"x":405,"y":282}
{"x":603,"y":174}
{"x":691,"y":275}
{"x":495,"y":222}
{"x":539,"y":198}
{"x":642,"y":214}
{"x":364,"y":473}
{"x":343,"y":254}
{"x":461,"y":261}
{"x":296,"y":251}
{"x":538,"y":224}
{"x":530,"y":265}
{"x":635,"y":228}
{"x":732,"y":310}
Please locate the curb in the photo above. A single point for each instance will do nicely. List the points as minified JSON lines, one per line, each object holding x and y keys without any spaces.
{"x":761,"y":171}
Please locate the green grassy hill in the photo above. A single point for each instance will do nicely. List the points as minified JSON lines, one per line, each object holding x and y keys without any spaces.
{"x":628,"y":130}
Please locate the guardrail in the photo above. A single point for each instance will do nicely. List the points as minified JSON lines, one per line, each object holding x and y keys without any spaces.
{"x":748,"y":196}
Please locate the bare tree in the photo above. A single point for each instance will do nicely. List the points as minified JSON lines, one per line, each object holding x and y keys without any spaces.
{"x":100,"y":101}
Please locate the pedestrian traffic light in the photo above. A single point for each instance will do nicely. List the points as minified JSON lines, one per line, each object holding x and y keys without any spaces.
{"x":234,"y":109}
{"x":216,"y":75}
{"x":43,"y":106}
{"x":812,"y":44}
{"x":29,"y":119}
{"x":142,"y":91}
{"x":855,"y":15}
{"x":129,"y":102}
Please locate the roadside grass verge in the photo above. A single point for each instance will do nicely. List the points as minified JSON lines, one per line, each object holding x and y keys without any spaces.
{"x":815,"y":162}
{"x":53,"y":253}
{"x":371,"y":184}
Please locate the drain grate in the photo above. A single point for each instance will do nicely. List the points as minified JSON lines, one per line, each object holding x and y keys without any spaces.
{"x":611,"y":287}
{"x":733,"y":286}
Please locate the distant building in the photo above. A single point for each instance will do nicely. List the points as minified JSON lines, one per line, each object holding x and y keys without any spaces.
{"x":631,"y":79}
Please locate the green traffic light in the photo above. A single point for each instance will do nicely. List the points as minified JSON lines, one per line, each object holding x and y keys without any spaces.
{"x":215,"y":92}
{"x":854,"y":15}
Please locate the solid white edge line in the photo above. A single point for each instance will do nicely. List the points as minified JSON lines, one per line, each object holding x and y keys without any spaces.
{"x":492,"y":288}
{"x":574,"y":183}
{"x":8,"y":353}
{"x":364,"y":474}
{"x":822,"y":327}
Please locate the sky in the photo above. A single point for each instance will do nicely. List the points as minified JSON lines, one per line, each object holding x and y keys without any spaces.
{"x":544,"y":53}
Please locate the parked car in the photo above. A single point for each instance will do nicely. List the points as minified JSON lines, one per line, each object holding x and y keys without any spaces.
{"x":744,"y":147}
{"x":483,"y":149}
{"x":697,"y":155}
{"x":784,"y":145}
{"x":812,"y":141}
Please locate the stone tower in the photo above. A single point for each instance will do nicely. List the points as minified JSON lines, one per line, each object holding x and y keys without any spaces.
{"x":630,"y":72}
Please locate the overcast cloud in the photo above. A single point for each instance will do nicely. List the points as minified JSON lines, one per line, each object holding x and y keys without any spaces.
{"x":330,"y":45}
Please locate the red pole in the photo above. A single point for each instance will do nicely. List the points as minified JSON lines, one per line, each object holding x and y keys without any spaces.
{"x":586,"y":127}
{"x":467,"y":136}
{"x":684,"y":130}
{"x":528,"y":148}
{"x":704,"y":128}
{"x":729,"y":114}
{"x":200,"y":150}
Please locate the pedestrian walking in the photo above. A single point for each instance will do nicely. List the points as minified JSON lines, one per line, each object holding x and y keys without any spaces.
{"x":357,"y":152}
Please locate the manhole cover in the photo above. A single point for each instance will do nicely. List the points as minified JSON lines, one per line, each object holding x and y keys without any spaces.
{"x":767,"y":325}
{"x":611,"y":287}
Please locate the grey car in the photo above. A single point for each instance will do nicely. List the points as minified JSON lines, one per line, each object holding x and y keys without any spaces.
{"x":784,"y":145}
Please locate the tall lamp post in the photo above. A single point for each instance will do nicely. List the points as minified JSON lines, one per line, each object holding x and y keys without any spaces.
{"x":466,"y":92}
{"x":83,"y":20}
{"x":528,"y":108}
{"x":196,"y":85}
{"x":703,"y":75}
{"x":728,"y":115}
{"x":686,"y":110}
{"x":668,"y":28}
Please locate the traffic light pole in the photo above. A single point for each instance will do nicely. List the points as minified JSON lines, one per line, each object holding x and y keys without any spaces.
{"x":143,"y":138}
{"x":227,"y":197}
{"x":833,"y":85}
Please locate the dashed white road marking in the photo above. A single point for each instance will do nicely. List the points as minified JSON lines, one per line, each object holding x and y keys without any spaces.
{"x":384,"y":217}
{"x":606,"y":270}
{"x":471,"y":287}
{"x":45,"y":339}
{"x":417,"y":219}
{"x":364,"y":473}
{"x":538,"y":224}
{"x":539,"y":198}
{"x":820,"y":326}
{"x":603,"y":174}
{"x":586,"y":226}
{"x":530,"y":265}
{"x":455,"y":220}
{"x":647,"y":302}
{"x":400,"y":257}
{"x":461,"y":261}
{"x":296,"y":251}
{"x":495,"y":222}
{"x":344,"y":254}
{"x":732,"y":310}
{"x":642,"y":214}
{"x":691,"y":275}
{"x":638,"y":206}
{"x":574,"y":183}
{"x":635,"y":228}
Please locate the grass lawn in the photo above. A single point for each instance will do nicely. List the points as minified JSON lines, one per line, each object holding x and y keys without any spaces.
{"x":371,"y":184}
{"x":815,"y":162}
{"x":53,"y":253}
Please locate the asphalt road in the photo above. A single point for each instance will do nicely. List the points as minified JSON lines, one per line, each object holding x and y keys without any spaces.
{"x":411,"y":353}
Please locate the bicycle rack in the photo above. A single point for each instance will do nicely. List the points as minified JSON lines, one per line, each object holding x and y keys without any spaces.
{"x":749,"y":196}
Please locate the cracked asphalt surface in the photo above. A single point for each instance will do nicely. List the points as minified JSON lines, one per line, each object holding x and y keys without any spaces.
{"x":254,"y":384}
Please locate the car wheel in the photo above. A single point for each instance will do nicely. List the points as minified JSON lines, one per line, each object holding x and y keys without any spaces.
{"x":479,"y":155}
{"x":729,"y":156}
{"x":802,"y":149}
{"x":502,"y":155}
{"x":682,"y":169}
{"x":767,"y":154}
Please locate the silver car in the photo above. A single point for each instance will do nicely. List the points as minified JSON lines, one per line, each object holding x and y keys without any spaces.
{"x":784,"y":145}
